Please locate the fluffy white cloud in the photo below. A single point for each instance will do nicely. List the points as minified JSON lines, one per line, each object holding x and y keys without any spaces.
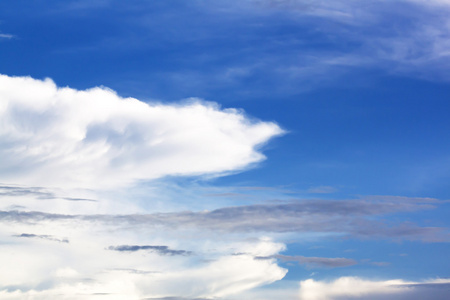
{"x":357,"y":288}
{"x":63,"y":137}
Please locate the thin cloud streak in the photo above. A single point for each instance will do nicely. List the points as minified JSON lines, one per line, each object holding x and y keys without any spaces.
{"x":163,"y":250}
{"x":6,"y":36}
{"x":43,"y":236}
{"x":353,"y":218}
{"x":324,"y":262}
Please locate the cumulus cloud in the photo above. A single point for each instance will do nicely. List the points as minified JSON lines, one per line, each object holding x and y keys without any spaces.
{"x":357,"y":288}
{"x":96,"y":139}
{"x":65,"y":152}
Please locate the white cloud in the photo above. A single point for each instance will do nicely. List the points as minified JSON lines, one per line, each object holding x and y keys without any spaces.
{"x":87,"y":267}
{"x":6,"y":36}
{"x":357,"y":288}
{"x":94,"y":138}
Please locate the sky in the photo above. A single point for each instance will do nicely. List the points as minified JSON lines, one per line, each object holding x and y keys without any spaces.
{"x":253,"y":149}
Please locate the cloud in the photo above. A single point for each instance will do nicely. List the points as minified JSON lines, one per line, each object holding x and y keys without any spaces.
{"x":85,"y":268}
{"x":319,"y":261}
{"x":38,"y":193}
{"x":43,"y":236}
{"x":96,"y":139}
{"x":357,"y":218}
{"x":175,"y":298}
{"x":163,"y":250}
{"x":409,"y":37}
{"x":6,"y":36}
{"x":322,"y":190}
{"x":380,"y":263}
{"x":357,"y":288}
{"x":22,"y":191}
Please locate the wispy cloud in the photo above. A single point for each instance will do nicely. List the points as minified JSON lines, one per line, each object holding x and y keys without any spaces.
{"x":414,"y":36}
{"x":35,"y":192}
{"x":163,"y":250}
{"x":357,"y":218}
{"x":322,"y":190}
{"x":6,"y":36}
{"x":327,"y":262}
{"x":43,"y":236}
{"x":407,"y":38}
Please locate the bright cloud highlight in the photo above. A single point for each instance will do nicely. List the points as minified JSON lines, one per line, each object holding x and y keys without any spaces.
{"x":94,"y":138}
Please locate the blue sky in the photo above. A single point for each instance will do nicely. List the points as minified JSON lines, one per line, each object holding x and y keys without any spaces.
{"x":311,"y":137}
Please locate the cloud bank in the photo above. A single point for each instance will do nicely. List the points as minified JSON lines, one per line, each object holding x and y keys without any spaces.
{"x":357,"y":288}
{"x":96,"y":139}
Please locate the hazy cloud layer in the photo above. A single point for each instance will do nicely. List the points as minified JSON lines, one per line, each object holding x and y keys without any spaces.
{"x":96,"y":139}
{"x":358,"y":218}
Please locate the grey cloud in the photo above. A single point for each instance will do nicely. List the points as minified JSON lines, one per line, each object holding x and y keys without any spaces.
{"x":134,"y":271}
{"x":319,"y":261}
{"x":34,"y":216}
{"x":162,"y":250}
{"x":79,"y":199}
{"x":36,"y":192}
{"x":322,"y":190}
{"x":259,"y":257}
{"x":178,"y":298}
{"x":358,"y":218}
{"x":402,"y":199}
{"x":43,"y":236}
